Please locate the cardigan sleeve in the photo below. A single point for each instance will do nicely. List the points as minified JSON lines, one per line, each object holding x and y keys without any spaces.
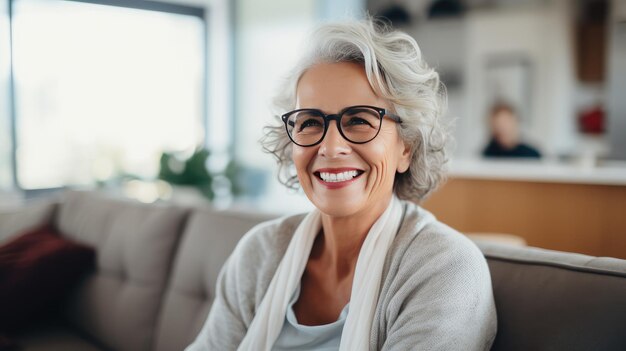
{"x":224,"y":328}
{"x":444,"y":299}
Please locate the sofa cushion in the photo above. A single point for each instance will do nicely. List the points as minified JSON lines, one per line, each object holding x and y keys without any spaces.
{"x":135,"y":243}
{"x":548,"y":300}
{"x":37,"y":270}
{"x":208,"y":240}
{"x":55,"y":337}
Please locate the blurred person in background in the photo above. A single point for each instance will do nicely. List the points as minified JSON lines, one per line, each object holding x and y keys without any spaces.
{"x":368,"y":269}
{"x":506,"y":135}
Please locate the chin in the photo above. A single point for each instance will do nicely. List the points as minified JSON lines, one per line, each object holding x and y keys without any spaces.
{"x":337,"y":206}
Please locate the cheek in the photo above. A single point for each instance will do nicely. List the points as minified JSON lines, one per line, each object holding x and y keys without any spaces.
{"x":383,"y":157}
{"x":301,"y":159}
{"x":383,"y":167}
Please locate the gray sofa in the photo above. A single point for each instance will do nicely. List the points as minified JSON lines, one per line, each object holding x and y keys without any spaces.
{"x":157,"y":265}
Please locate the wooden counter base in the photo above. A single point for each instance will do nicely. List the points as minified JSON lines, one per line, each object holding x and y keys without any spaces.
{"x":589,"y":219}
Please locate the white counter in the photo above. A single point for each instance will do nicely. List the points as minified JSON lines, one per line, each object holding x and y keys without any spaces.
{"x":610,"y":173}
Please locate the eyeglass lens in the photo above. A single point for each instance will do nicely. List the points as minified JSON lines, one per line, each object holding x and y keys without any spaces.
{"x":358,"y":125}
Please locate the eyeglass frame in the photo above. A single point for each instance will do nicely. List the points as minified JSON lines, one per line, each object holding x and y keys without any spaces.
{"x":337,"y":118}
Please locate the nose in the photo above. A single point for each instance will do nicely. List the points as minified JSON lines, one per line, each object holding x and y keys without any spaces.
{"x":334,"y":144}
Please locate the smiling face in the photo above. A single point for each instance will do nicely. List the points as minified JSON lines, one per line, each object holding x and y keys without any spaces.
{"x":342,"y":178}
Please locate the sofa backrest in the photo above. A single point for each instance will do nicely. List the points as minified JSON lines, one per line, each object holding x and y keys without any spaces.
{"x":15,"y":220}
{"x":209,"y":238}
{"x":118,"y":305}
{"x":549,"y":300}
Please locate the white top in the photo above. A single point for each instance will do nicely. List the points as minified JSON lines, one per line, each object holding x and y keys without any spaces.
{"x":295,"y":336}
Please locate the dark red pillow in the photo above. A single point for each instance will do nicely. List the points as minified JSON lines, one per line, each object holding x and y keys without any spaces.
{"x":37,"y":271}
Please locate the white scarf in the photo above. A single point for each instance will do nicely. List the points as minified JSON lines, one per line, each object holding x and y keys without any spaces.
{"x":268,"y":321}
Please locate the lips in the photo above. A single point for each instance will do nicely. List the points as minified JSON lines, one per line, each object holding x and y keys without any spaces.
{"x":337,"y":176}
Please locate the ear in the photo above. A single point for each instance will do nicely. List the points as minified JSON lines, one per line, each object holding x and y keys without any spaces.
{"x":404,"y":160}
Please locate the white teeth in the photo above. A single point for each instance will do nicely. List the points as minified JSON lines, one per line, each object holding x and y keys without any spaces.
{"x":338,"y":177}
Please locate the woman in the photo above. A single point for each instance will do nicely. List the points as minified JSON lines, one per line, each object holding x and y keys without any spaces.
{"x":368,"y":269}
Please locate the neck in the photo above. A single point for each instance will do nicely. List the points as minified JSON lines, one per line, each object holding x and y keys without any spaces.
{"x":341,"y":239}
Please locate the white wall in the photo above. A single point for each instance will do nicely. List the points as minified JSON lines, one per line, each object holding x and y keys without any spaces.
{"x":542,"y":36}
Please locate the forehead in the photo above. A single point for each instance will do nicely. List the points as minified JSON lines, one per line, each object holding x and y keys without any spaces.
{"x":503,"y":114}
{"x":334,"y":86}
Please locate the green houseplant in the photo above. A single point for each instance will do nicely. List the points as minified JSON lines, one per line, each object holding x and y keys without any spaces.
{"x":191,"y":171}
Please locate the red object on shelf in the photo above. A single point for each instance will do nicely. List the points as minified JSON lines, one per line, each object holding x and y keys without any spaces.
{"x":591,"y":121}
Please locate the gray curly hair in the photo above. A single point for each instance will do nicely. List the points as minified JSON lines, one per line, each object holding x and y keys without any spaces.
{"x":396,"y":71}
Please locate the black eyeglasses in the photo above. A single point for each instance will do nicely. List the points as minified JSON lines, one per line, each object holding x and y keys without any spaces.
{"x":357,"y":124}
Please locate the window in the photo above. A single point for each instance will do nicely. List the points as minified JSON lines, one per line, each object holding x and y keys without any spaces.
{"x":101,"y":91}
{"x":5,"y":101}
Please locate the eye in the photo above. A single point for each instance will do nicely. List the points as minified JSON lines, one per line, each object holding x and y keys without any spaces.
{"x":309,"y":122}
{"x":357,"y":120}
{"x":360,"y":118}
{"x":306,"y":121}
